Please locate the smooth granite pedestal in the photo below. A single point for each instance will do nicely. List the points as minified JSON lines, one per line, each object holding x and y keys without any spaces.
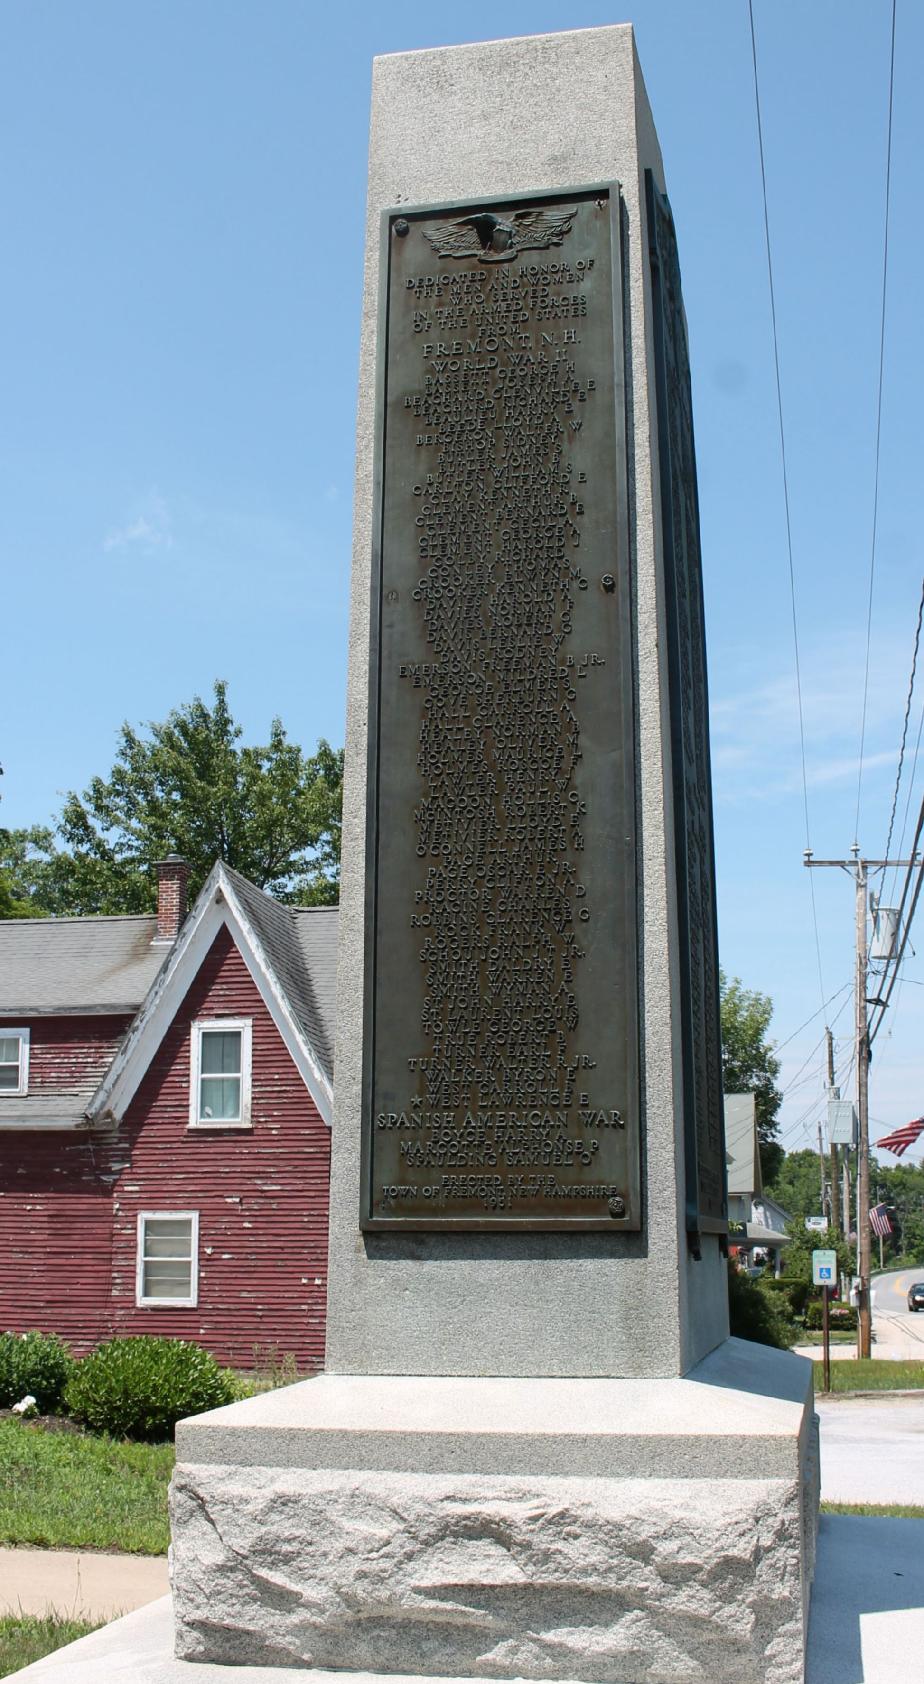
{"x":611,"y":1530}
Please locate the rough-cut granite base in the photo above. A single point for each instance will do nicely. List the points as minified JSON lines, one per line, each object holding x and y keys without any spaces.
{"x":603,"y":1579}
{"x":626,"y":1532}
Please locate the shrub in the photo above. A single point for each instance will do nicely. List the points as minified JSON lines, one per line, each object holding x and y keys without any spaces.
{"x":798,"y":1292}
{"x":139,"y":1388}
{"x":758,"y":1315}
{"x":36,"y":1363}
{"x":840,"y":1316}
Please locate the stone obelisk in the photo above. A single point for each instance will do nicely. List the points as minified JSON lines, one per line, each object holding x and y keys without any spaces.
{"x":535,"y":1451}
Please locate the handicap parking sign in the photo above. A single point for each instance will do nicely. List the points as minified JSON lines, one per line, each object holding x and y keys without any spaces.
{"x":824,"y":1268}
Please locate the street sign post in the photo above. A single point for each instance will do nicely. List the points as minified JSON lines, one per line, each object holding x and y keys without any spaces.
{"x":824,"y":1274}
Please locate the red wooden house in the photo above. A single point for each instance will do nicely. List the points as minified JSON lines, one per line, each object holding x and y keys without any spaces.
{"x":165,"y":1106}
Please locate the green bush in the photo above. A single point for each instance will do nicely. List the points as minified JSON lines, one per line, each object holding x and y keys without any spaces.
{"x":139,"y":1388}
{"x":797,"y":1292}
{"x":36,"y":1363}
{"x":841,"y":1316}
{"x":757,"y":1314}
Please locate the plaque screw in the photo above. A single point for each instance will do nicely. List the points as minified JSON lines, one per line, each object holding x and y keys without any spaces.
{"x":608,"y":582}
{"x":402,"y":227}
{"x":616,"y":1206}
{"x":391,"y":596}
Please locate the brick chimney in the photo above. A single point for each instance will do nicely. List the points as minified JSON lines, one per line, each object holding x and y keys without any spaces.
{"x":172,"y":880}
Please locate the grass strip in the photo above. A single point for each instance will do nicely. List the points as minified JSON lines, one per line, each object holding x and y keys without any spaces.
{"x":812,"y":1337}
{"x":873,"y":1374}
{"x":63,"y":1490}
{"x":895,"y":1511}
{"x":26,"y":1638}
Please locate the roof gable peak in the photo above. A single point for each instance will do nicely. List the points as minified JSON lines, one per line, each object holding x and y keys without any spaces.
{"x":222,"y":901}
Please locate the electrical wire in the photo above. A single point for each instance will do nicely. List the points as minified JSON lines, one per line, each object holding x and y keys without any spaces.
{"x":906,"y":929}
{"x":794,"y":1080}
{"x":901,"y":752}
{"x":779,"y":406}
{"x":911,"y":783}
{"x":882,"y":323}
{"x":823,"y":1007}
{"x":791,"y":1129}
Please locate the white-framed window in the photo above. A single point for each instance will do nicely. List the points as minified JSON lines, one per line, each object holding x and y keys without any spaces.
{"x":14,"y":1062}
{"x":168,"y":1259}
{"x":219,"y":1090}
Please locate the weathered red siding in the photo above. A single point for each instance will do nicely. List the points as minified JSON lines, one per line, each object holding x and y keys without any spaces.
{"x":55,"y":1199}
{"x":261,"y":1194}
{"x":69,"y":1052}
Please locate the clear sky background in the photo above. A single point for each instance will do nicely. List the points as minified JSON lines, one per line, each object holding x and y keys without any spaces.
{"x":182,"y":209}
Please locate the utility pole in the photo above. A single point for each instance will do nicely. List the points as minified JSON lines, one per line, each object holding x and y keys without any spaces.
{"x":825,"y":1201}
{"x":864,"y":1319}
{"x":846,"y":1192}
{"x":859,"y":869}
{"x":834,"y":1093}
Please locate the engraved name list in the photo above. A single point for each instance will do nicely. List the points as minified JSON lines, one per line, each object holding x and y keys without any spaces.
{"x":501,"y":1047}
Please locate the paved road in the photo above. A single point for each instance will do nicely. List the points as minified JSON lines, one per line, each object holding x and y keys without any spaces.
{"x":892,"y":1319}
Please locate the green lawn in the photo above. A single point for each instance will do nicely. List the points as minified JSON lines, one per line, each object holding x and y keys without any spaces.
{"x":811,"y":1337}
{"x":900,"y":1511}
{"x":873,"y":1375}
{"x":26,"y":1639}
{"x":61,"y":1490}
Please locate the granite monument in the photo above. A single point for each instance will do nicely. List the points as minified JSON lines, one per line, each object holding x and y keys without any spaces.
{"x":535,"y":1451}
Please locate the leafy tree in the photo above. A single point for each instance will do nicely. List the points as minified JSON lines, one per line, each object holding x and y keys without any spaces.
{"x":797,"y":1184}
{"x":797,"y":1255}
{"x":12,"y":905}
{"x":749,"y":1064}
{"x":188,"y":786}
{"x":901,"y":1188}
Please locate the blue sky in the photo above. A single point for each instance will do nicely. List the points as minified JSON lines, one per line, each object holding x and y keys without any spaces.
{"x":183,"y":210}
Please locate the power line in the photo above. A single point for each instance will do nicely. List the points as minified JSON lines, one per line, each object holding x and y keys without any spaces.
{"x":823,"y":1007}
{"x":914,"y":773}
{"x":795,"y":1082}
{"x":779,"y":407}
{"x":901,"y":752}
{"x":882,"y":321}
{"x":883,"y":1001}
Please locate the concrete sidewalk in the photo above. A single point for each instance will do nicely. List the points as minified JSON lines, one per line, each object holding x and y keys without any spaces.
{"x":81,"y":1584}
{"x":872,"y":1449}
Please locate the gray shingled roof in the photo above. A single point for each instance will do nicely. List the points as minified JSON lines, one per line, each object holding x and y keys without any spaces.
{"x":316,"y":927}
{"x":58,"y":965}
{"x":63,"y":1105}
{"x":301,"y":945}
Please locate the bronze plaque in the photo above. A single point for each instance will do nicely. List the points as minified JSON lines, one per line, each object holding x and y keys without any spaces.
{"x":704,"y":1129}
{"x":501,"y":1042}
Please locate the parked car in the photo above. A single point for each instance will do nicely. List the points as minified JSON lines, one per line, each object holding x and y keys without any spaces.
{"x":916,"y":1295}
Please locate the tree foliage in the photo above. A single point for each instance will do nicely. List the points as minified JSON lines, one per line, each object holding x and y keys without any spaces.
{"x":749,"y":1064}
{"x":797,"y":1184}
{"x":754,"y":1314}
{"x":797,"y":1255}
{"x":901,"y":1188}
{"x":188,"y":786}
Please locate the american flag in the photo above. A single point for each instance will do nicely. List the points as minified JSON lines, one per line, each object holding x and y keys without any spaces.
{"x":879,"y":1221}
{"x":900,"y":1139}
